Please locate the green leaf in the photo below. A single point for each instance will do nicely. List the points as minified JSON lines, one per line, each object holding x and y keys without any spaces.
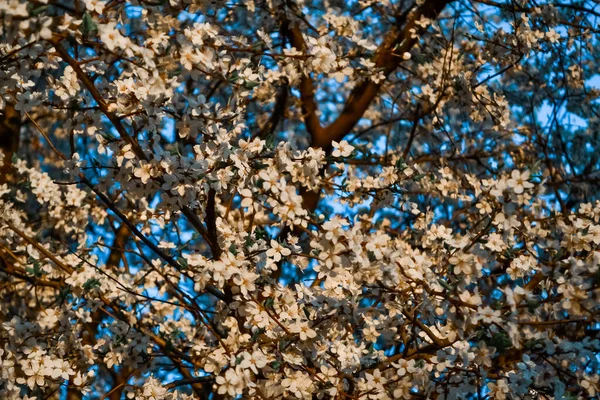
{"x":283,"y":343}
{"x":276,"y":365}
{"x":260,"y":233}
{"x":250,"y":85}
{"x":184,"y":264}
{"x":532,"y":305}
{"x":532,"y":344}
{"x":344,"y":184}
{"x":36,"y":270}
{"x":256,"y":335}
{"x":501,"y":341}
{"x":371,"y":256}
{"x":306,"y":312}
{"x":445,"y":284}
{"x":88,"y":25}
{"x":91,"y":284}
{"x":269,"y":302}
{"x":37,"y":11}
{"x":65,"y":293}
{"x":260,"y":166}
{"x":270,"y":142}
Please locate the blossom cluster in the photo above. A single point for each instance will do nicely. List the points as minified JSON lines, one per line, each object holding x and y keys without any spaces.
{"x":287,"y":199}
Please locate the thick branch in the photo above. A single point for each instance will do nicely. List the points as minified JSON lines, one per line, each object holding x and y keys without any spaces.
{"x":307,"y":93}
{"x":387,"y":58}
{"x":10,"y":125}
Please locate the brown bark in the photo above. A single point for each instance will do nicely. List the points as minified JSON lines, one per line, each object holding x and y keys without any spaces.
{"x":387,"y":58}
{"x":10,"y":126}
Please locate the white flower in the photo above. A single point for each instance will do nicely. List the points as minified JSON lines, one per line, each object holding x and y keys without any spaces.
{"x":113,"y":358}
{"x":342,"y":149}
{"x":245,"y":281}
{"x":153,"y":390}
{"x":111,"y":37}
{"x":26,"y":101}
{"x":591,"y":385}
{"x":553,"y":36}
{"x":375,"y":381}
{"x":188,"y":56}
{"x":95,"y":5}
{"x":484,"y":354}
{"x":463,"y":263}
{"x":14,"y":7}
{"x":324,"y":60}
{"x":33,"y":370}
{"x":230,"y":383}
{"x":247,"y":200}
{"x":488,"y":315}
{"x":297,"y":383}
{"x":473,"y":299}
{"x":144,"y":171}
{"x":405,"y":366}
{"x":277,"y":250}
{"x":304,"y":331}
{"x":254,"y":361}
{"x":499,"y":389}
{"x":518,"y":181}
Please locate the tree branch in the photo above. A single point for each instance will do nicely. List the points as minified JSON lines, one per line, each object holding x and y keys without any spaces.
{"x":135,"y":146}
{"x":10,"y":126}
{"x":387,"y":58}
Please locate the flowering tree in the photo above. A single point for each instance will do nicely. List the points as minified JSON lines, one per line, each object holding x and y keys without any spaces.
{"x":299,"y":199}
